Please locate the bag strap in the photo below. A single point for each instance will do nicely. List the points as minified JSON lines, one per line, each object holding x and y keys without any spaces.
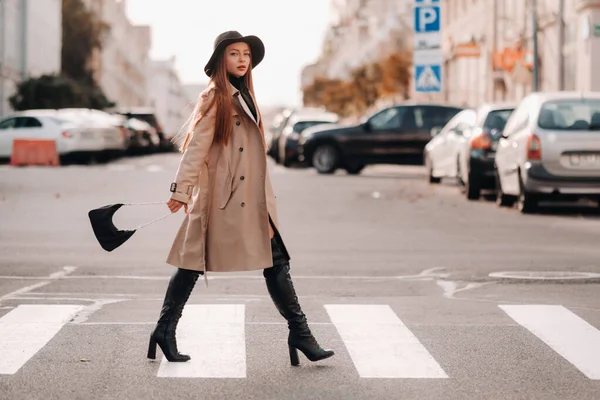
{"x":149,"y":204}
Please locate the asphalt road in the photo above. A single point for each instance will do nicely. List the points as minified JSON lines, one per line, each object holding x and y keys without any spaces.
{"x":398,"y":277}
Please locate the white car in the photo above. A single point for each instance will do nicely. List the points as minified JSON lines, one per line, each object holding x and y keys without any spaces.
{"x":71,"y":138}
{"x":465,"y":148}
{"x":104,"y":125}
{"x":550,"y":149}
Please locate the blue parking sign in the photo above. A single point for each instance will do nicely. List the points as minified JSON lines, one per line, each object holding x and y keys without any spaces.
{"x":427,"y":18}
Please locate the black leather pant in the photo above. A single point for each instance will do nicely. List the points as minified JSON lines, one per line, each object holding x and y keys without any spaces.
{"x":280,"y":255}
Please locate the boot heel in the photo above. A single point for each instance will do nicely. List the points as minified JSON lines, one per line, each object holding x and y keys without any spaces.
{"x":294,"y":356}
{"x":152,"y":349}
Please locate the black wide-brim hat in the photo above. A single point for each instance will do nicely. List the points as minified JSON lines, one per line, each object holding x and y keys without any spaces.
{"x":257,"y":48}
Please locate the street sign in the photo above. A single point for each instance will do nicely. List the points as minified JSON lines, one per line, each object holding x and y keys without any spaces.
{"x":428,"y":78}
{"x":427,"y":19}
{"x":427,"y":49}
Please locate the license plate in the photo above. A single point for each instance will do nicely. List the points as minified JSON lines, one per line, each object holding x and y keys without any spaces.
{"x":585,"y":160}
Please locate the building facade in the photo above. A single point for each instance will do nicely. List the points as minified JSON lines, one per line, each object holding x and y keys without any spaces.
{"x":488,"y":48}
{"x":360,"y":32}
{"x":193,"y":90}
{"x":168,"y":96}
{"x":30,"y":43}
{"x":122,"y":67}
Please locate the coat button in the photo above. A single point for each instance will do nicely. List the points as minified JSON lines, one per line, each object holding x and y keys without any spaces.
{"x":238,"y":123}
{"x":241,"y":149}
{"x":242,"y":178}
{"x":242,"y":204}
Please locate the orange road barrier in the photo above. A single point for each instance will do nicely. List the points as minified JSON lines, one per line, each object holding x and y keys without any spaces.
{"x":34,"y":152}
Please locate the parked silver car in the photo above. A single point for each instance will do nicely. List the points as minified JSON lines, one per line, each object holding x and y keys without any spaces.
{"x":550,"y":148}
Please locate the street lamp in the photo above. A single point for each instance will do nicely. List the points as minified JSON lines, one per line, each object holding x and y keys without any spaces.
{"x":2,"y":42}
{"x":534,"y":38}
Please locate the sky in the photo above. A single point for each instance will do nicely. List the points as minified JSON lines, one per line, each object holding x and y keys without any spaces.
{"x":292,"y":31}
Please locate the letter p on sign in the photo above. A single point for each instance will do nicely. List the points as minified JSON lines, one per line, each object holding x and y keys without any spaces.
{"x":427,"y":19}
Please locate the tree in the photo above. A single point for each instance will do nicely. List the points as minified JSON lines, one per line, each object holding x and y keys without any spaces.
{"x":396,"y":74}
{"x":56,"y":91}
{"x":366,"y":80}
{"x":83,"y":33}
{"x":368,"y":83}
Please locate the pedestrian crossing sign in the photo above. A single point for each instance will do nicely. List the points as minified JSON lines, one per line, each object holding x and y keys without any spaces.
{"x":428,"y":78}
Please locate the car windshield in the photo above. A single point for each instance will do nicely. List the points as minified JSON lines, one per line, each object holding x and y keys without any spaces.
{"x":496,"y":119}
{"x":570,"y":115}
{"x":148,"y":118}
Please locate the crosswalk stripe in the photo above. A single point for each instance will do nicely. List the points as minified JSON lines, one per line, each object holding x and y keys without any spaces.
{"x":380,"y":345}
{"x":566,"y":333}
{"x":26,"y":329}
{"x":214,"y":337}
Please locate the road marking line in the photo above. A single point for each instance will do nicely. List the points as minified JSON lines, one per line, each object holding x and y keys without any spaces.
{"x":380,"y":345}
{"x":427,"y":275}
{"x":26,"y":329}
{"x":214,"y":337}
{"x":154,"y":322}
{"x":46,"y":280}
{"x":566,"y":333}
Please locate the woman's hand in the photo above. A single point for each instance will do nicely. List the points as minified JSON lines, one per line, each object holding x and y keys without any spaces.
{"x":175,"y":205}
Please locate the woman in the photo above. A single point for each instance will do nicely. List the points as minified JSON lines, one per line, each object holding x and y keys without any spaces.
{"x":224,"y":186}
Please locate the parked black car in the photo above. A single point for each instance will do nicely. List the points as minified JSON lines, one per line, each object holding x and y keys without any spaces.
{"x":279,"y":123}
{"x":148,"y":115}
{"x":393,"y":135}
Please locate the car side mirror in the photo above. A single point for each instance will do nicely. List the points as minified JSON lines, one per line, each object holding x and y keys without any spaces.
{"x":435,"y":131}
{"x":367,"y":126}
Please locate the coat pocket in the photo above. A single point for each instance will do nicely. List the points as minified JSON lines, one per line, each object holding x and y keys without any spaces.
{"x":226,"y":192}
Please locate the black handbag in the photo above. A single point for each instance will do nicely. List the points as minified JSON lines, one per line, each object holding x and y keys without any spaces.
{"x":108,"y":235}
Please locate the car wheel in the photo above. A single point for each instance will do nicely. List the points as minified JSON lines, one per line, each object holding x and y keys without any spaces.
{"x":459,"y":179}
{"x":472,"y":189}
{"x":429,"y":166}
{"x":325,"y":158}
{"x":502,"y":199}
{"x":527,"y":202}
{"x":285,"y":161}
{"x":354,"y":169}
{"x":274,"y":151}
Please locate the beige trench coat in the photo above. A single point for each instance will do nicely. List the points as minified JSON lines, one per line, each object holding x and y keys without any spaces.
{"x":228,"y":186}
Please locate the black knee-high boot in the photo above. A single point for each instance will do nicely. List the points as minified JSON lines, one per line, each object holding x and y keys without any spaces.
{"x":178,"y":292}
{"x":283,"y":294}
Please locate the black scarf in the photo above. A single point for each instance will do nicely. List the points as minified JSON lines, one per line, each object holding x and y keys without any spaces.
{"x":238,"y":83}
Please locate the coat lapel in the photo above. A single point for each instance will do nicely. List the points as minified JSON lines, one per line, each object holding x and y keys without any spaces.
{"x":256,"y":106}
{"x":245,"y":107}
{"x":236,"y":93}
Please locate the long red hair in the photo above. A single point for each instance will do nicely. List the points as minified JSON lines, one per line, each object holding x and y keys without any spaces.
{"x":225,"y":104}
